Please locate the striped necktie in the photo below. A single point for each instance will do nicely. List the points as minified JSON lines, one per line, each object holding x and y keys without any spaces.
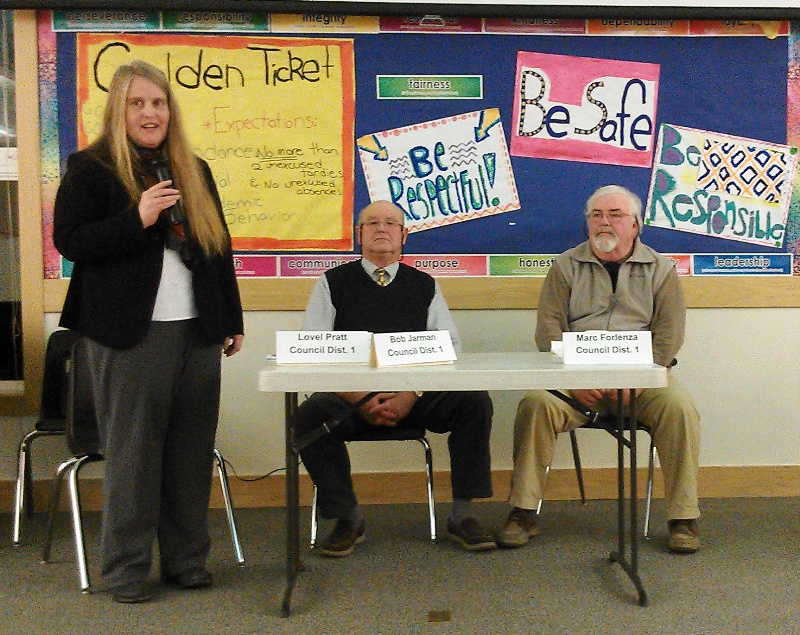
{"x":383,"y":279}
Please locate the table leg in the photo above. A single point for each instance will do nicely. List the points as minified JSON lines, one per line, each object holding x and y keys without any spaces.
{"x":293,"y":565}
{"x":631,"y":567}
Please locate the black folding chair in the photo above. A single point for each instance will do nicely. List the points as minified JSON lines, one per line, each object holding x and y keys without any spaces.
{"x":382,"y":433}
{"x":84,"y":443}
{"x":608,"y":423}
{"x":52,"y":421}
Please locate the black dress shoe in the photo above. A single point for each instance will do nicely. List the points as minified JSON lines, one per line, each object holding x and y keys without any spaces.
{"x":130,"y":593}
{"x":196,"y":578}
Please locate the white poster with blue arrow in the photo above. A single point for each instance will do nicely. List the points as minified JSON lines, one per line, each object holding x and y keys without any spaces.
{"x":444,"y":171}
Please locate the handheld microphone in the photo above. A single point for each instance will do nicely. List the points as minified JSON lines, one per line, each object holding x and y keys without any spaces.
{"x":162,"y":173}
{"x":327,"y":426}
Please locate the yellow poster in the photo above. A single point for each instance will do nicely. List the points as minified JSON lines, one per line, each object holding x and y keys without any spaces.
{"x":273,"y":117}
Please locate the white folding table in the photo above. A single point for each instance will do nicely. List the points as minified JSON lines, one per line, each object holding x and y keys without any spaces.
{"x":472,"y":371}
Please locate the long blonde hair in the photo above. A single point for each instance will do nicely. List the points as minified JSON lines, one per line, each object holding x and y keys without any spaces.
{"x":197,"y":202}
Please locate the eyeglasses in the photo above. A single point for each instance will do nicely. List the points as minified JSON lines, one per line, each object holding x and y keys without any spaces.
{"x":614,"y":215}
{"x":389,"y":223}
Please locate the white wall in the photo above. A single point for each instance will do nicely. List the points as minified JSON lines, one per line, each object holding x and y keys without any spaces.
{"x":741,"y":365}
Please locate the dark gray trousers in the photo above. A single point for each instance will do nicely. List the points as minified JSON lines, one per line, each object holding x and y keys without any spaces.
{"x":158,"y":406}
{"x":467,"y":416}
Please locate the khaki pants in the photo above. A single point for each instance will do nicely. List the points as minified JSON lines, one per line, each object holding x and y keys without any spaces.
{"x":669,"y":413}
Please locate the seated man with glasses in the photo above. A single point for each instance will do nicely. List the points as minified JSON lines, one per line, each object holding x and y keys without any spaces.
{"x":382,"y":295}
{"x":612,"y":282}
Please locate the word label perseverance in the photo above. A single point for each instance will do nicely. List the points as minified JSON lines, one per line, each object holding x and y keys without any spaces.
{"x":323,"y":347}
{"x":414,"y":347}
{"x":608,"y":347}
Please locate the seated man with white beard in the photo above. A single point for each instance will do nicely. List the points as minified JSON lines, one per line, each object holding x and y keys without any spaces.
{"x":612,"y":282}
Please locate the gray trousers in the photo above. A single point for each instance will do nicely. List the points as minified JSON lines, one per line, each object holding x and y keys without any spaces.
{"x":157,"y":406}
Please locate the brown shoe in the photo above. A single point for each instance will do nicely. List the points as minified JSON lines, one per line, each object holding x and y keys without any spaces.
{"x":343,"y":539}
{"x":520,"y":525}
{"x":684,"y":535}
{"x":471,"y":535}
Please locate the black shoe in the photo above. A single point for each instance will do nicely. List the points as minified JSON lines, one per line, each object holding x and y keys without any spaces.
{"x":344,"y":537}
{"x":196,"y":578}
{"x":130,"y":593}
{"x":470,"y":535}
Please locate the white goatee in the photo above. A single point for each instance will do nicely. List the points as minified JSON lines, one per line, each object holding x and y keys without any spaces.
{"x":605,"y":241}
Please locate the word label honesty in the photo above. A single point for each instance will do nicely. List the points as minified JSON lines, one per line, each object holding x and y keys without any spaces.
{"x":442,"y":172}
{"x":721,"y":186}
{"x":584,"y":109}
{"x":323,"y":347}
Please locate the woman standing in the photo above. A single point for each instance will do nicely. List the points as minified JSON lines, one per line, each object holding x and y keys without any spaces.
{"x":153,"y":288}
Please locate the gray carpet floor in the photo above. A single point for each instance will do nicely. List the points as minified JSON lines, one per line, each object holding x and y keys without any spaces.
{"x":745,"y":579}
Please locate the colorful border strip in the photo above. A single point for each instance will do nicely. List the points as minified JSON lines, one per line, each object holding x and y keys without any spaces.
{"x":132,"y":20}
{"x":259,"y":265}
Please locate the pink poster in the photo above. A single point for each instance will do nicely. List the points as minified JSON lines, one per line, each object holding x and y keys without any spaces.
{"x":584,"y":109}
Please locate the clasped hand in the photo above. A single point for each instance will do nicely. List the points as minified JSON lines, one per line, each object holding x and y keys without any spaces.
{"x":592,"y":396}
{"x":387,"y":408}
{"x":155,"y":200}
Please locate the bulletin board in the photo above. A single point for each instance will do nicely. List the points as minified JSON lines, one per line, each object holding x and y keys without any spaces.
{"x":434,"y":117}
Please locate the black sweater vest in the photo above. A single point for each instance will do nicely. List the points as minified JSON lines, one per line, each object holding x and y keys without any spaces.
{"x":363,"y":305}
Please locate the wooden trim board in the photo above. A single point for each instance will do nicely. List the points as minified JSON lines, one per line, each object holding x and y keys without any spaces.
{"x":284,"y":294}
{"x":409,"y":487}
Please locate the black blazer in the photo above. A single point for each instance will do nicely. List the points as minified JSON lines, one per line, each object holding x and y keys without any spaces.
{"x":117,"y":262}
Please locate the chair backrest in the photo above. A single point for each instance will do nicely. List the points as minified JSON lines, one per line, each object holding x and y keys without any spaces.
{"x":55,"y":389}
{"x":82,"y":432}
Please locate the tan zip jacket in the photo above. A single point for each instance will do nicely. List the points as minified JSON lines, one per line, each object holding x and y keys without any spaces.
{"x":577,"y":295}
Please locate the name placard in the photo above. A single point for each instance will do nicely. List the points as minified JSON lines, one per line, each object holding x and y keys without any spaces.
{"x":323,"y":347}
{"x":413,"y":347}
{"x":608,"y":347}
